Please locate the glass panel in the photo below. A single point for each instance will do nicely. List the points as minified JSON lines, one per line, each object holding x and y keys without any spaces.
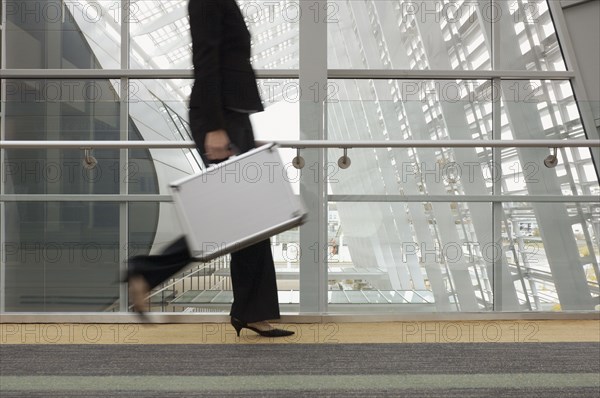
{"x":60,"y":172}
{"x":161,"y":39}
{"x":412,"y":171}
{"x":404,"y":110}
{"x":411,"y":256}
{"x":394,"y":297}
{"x":152,"y":227}
{"x":540,"y":109}
{"x":440,"y":257}
{"x":413,"y":297}
{"x":158,"y":110}
{"x":529,"y":40}
{"x":274,"y":26}
{"x":143,"y":222}
{"x":552,"y":250}
{"x":63,"y":34}
{"x":433,"y":34}
{"x":337,"y":297}
{"x":442,"y":35}
{"x":43,"y":110}
{"x":204,"y":287}
{"x":534,"y":109}
{"x":61,"y":256}
{"x":525,"y":172}
{"x":62,"y":110}
{"x":151,"y":171}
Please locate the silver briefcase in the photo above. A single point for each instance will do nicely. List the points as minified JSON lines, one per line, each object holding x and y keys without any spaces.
{"x":236,"y":203}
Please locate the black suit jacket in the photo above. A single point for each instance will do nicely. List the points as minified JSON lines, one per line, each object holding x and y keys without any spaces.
{"x":223,"y":75}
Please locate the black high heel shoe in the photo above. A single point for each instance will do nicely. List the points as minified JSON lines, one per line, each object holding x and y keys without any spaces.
{"x":239,"y":325}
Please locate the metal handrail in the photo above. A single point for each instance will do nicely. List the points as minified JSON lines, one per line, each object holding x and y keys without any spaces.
{"x":409,"y":74}
{"x":310,"y":144}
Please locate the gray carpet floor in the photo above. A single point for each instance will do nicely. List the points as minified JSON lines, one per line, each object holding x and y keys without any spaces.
{"x":311,"y":370}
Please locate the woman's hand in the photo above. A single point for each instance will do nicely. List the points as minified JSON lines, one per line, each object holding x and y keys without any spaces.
{"x":217,"y":145}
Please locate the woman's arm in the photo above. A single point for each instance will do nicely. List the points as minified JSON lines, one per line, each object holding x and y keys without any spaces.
{"x":205,"y":26}
{"x":206,"y":29}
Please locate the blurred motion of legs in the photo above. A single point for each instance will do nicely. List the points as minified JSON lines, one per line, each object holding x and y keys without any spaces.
{"x":146,"y":272}
{"x":138,"y":293}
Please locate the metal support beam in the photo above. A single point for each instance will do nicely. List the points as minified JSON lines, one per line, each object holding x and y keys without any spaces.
{"x":313,"y":188}
{"x":124,"y":156}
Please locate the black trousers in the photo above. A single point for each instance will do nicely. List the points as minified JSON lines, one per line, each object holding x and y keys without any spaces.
{"x":252,"y":268}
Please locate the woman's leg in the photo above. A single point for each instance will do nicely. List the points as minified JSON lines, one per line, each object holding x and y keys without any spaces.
{"x":254,"y":284}
{"x":252,"y":268}
{"x":155,"y":269}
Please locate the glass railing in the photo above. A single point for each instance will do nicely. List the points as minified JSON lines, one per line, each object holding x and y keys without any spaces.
{"x":410,"y":227}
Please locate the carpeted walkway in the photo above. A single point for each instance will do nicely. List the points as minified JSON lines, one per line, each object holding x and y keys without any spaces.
{"x":314,"y":370}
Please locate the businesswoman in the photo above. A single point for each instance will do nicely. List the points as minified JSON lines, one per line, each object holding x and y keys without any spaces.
{"x":223,"y":96}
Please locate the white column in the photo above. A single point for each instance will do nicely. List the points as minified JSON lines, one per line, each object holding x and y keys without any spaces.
{"x":313,"y":187}
{"x":124,"y":156}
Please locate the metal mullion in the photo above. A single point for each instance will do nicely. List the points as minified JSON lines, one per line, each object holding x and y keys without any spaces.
{"x":124,"y":156}
{"x":313,"y":183}
{"x":2,"y":158}
{"x":124,"y":190}
{"x":579,"y":91}
{"x":497,"y":208}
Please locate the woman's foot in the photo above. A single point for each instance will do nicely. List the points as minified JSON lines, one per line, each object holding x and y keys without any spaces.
{"x":263,"y":328}
{"x":138,"y":293}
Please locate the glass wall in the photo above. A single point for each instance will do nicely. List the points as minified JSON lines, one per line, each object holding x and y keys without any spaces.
{"x":160,"y":33}
{"x":405,"y":228}
{"x":459,"y":36}
{"x":56,"y":34}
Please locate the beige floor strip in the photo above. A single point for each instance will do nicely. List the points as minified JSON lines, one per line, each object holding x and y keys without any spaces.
{"x":332,"y":333}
